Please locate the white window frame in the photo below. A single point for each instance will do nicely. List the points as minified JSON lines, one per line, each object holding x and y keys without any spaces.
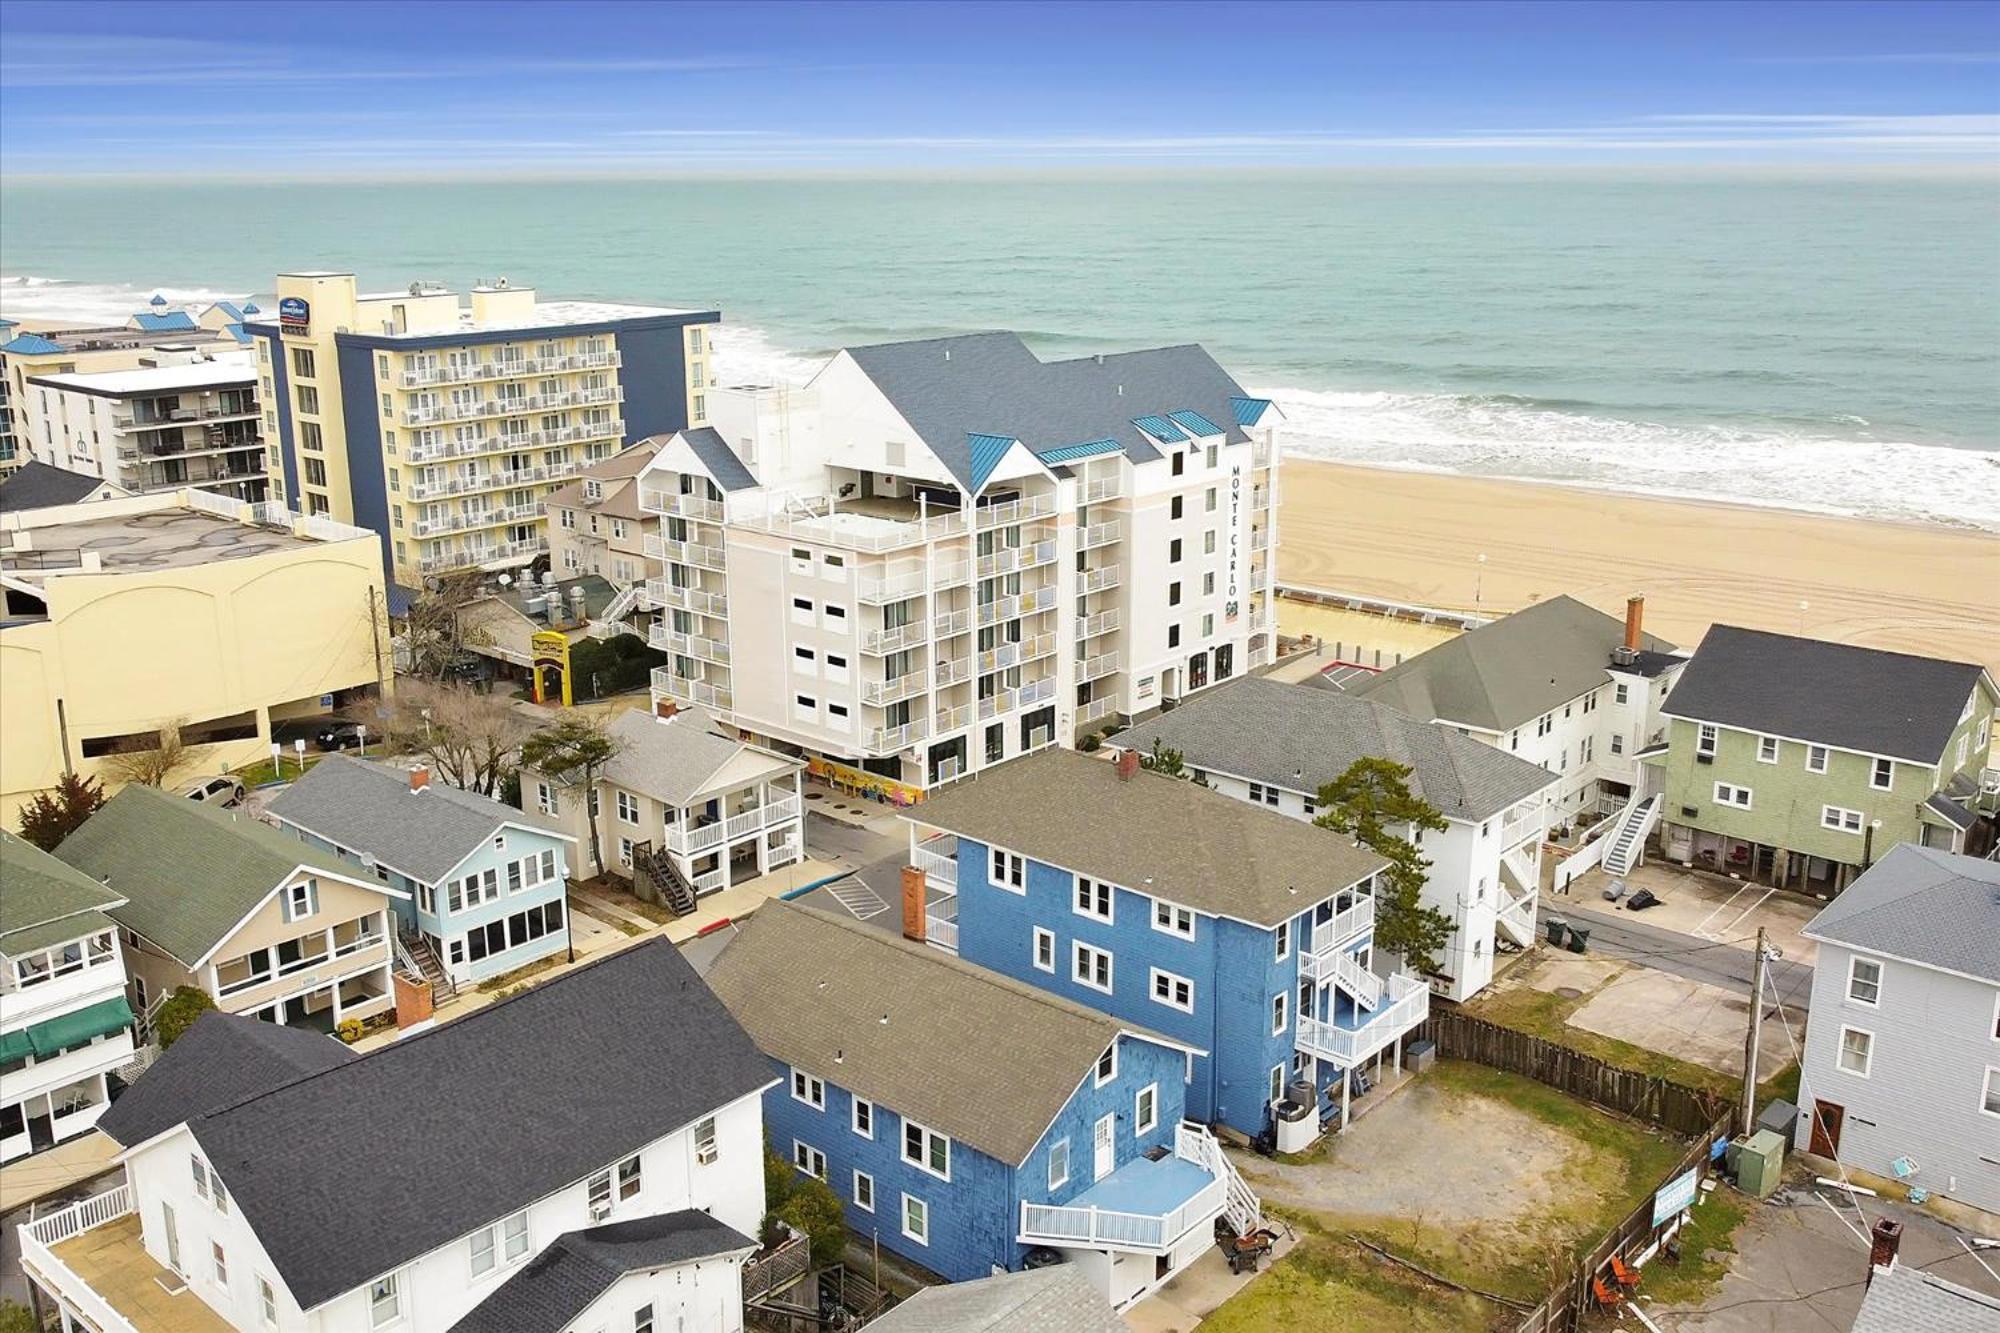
{"x":855,"y":1108}
{"x":1172,"y":981}
{"x":808,"y":1089}
{"x":1147,"y":1120}
{"x":1083,"y":969}
{"x":1733,"y":791}
{"x":1044,"y":938}
{"x":1101,"y":1074}
{"x":1875,"y":771}
{"x":1854,"y":962}
{"x":512,"y":1229}
{"x":1283,"y":945}
{"x":928,"y":1142}
{"x":385,"y":1290}
{"x":1989,"y":1093}
{"x":1007,"y":870}
{"x":1768,"y":749}
{"x":706,"y":1146}
{"x":1840,"y":1052}
{"x":628,"y":808}
{"x":867,"y":1205}
{"x":1281,"y":1012}
{"x":1841,"y":820}
{"x":1275,"y":1083}
{"x":267,"y":1302}
{"x":304,"y":890}
{"x":1101,"y":898}
{"x":804,"y":1155}
{"x":1173,"y":919}
{"x":482,"y":1252}
{"x":1705,"y":737}
{"x":1058,"y":1152}
{"x":1817,"y":758}
{"x":218,"y":1259}
{"x":922,"y":1236}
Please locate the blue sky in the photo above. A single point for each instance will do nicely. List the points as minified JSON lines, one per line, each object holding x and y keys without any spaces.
{"x":366,"y":89}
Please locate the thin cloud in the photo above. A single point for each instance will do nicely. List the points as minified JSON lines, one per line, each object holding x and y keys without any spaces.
{"x":1885,"y":58}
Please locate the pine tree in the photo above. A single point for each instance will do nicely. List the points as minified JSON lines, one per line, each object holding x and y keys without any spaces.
{"x":1369,"y":802}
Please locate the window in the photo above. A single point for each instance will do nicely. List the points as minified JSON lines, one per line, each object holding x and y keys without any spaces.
{"x":1174,"y":551}
{"x":1621,"y":692}
{"x":309,"y":400}
{"x":484,"y":1249}
{"x":629,"y":1180}
{"x":1007,"y":871}
{"x":1173,"y":991}
{"x":628,"y":808}
{"x":1093,"y":899}
{"x":1815,"y":759}
{"x":1107,"y":1065}
{"x":1864,"y":981}
{"x":1989,"y":1095}
{"x":1729,"y":794}
{"x":200,"y":1170}
{"x":1767,"y":749}
{"x":705,"y":1149}
{"x":1884,"y":775}
{"x":916,"y":1219}
{"x":1174,"y":507}
{"x":864,"y":1191}
{"x":1274,"y":1086}
{"x":1146,"y":1109}
{"x":302,"y":362}
{"x":1172,"y":919}
{"x":1058,"y":1164}
{"x":1833,"y":817}
{"x":864,"y":1117}
{"x":1092,"y":968}
{"x":1173,"y":594}
{"x":1263,"y":795}
{"x":301,"y":899}
{"x":545,"y":799}
{"x":267,"y":1303}
{"x":1280,"y":1005}
{"x":807,"y":1089}
{"x":1045,"y":950}
{"x":1857,"y":1050}
{"x":642,"y":1319}
{"x":385,"y":1301}
{"x":600,"y":1196}
{"x":926,"y":1148}
{"x":1618,"y":745}
{"x":221,"y":1263}
{"x":1284,"y":941}
{"x":514,"y":1237}
{"x":809,"y":1159}
{"x":1704,"y":740}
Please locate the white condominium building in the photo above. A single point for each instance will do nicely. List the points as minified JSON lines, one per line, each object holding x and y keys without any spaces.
{"x":940,"y":555}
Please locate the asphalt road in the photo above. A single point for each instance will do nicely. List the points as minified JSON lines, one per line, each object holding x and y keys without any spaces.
{"x":1621,"y":934}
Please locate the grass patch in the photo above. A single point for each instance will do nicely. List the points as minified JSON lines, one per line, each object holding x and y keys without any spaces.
{"x":1546,"y":1014}
{"x":262,"y":773}
{"x":520,"y":975}
{"x":1331,"y":1285}
{"x":615,"y":890}
{"x":1711,"y":1229}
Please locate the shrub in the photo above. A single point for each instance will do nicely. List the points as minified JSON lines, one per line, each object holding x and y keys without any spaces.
{"x":16,"y":1318}
{"x":815,"y":1209}
{"x":348,"y":1030}
{"x":1089,"y":743}
{"x":179,"y":1012}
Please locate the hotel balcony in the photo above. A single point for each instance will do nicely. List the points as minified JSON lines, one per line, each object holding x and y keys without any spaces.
{"x":1096,"y":668}
{"x":494,"y":554}
{"x":714,"y":697}
{"x":1089,"y":627}
{"x":904,"y":584}
{"x":1030,"y":603}
{"x":1009,"y":559}
{"x":688,"y":645}
{"x":662,"y":595}
{"x":182,"y":416}
{"x":877,"y":524}
{"x":888,"y":740}
{"x":89,"y":1260}
{"x":485,"y":518}
{"x":947,"y":720}
{"x":1015,"y":511}
{"x":497,"y":479}
{"x":424,"y":376}
{"x":1097,"y":580}
{"x":693,"y":841}
{"x":668,"y":549}
{"x":1087,"y":713}
{"x":1099,"y":534}
{"x":508,"y":442}
{"x":1145,"y":1205}
{"x":950,"y":671}
{"x":1014,"y":654}
{"x":881,"y":693}
{"x":655,"y":501}
{"x":1355,"y":1033}
{"x":431,"y":414}
{"x":1260,"y":540}
{"x":1260,"y":454}
{"x":882,"y":642}
{"x":1100,"y":488}
{"x":1006,"y":701}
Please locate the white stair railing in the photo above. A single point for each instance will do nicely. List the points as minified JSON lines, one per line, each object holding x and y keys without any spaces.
{"x":1356,"y":980}
{"x":1635,"y":821}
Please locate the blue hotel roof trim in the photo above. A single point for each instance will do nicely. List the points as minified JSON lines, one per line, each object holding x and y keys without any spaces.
{"x":1070,"y":453}
{"x":1160,"y":429}
{"x":1249,"y":411}
{"x":178,"y":321}
{"x":32,"y":344}
{"x":1194,"y":423}
{"x":481,"y":337}
{"x":985,"y":453}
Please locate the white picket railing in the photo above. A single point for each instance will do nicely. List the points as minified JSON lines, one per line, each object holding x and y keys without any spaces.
{"x":1348,"y":973}
{"x":1070,"y":1225}
{"x":38,"y":1259}
{"x":1343,"y":928}
{"x":692,"y":841}
{"x":1347,"y":1047}
{"x":937,"y":858}
{"x":941,"y":932}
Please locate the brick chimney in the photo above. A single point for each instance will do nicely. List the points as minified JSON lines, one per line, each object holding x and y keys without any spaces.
{"x":420,"y":778}
{"x":914,"y":894}
{"x":666,"y":708}
{"x":1128,"y":764}
{"x":1885,"y":1239}
{"x":1635,"y":617}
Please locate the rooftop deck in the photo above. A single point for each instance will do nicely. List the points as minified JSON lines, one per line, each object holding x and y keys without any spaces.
{"x":1140,"y":1186}
{"x":105,"y":1274}
{"x":1145,"y":1205}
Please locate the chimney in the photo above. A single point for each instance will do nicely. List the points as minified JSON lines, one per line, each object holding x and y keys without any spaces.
{"x":914,"y":894}
{"x":1635,"y":616}
{"x":666,"y":708}
{"x":1885,"y":1238}
{"x":420,"y":778}
{"x":1128,"y":764}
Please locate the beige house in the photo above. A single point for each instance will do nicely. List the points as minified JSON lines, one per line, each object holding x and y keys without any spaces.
{"x":595,"y":523}
{"x":265,"y":924}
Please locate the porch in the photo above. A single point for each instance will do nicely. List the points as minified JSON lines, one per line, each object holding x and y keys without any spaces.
{"x":1760,"y":863}
{"x":1146,"y":1205}
{"x":90,"y":1260}
{"x":1346,"y":1033}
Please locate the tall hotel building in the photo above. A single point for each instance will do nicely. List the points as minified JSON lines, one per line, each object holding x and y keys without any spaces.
{"x":443,"y":425}
{"x":940,"y":555}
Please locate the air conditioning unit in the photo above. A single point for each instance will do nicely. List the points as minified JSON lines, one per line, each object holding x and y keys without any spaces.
{"x":1704,"y":759}
{"x":1689,"y":812}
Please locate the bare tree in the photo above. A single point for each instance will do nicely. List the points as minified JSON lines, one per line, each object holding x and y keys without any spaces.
{"x":575,"y":748}
{"x":469,"y":738}
{"x":154,"y":764}
{"x":435,"y":634}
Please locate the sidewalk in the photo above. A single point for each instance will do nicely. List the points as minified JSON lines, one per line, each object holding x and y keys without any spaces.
{"x":49,"y":1173}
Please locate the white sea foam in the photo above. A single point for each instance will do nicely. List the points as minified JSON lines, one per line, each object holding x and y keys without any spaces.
{"x":46,"y":299}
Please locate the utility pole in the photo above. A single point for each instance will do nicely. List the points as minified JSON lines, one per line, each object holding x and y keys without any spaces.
{"x":1750,"y":1041}
{"x":375,"y":632}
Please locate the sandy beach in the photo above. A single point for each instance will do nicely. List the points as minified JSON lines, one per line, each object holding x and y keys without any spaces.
{"x":1417,"y":537}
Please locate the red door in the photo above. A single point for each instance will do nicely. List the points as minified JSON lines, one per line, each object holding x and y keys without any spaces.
{"x":1826,"y":1129}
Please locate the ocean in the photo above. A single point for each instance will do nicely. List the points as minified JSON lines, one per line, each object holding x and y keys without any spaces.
{"x":1817,"y":341}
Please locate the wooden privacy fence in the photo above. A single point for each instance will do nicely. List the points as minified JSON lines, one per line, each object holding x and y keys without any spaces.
{"x":1674,"y":1107}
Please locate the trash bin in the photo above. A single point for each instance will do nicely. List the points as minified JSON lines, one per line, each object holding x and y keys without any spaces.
{"x":1558,"y":931}
{"x":1579,"y":938}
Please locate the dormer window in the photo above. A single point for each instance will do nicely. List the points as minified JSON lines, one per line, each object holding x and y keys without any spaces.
{"x":593,"y":489}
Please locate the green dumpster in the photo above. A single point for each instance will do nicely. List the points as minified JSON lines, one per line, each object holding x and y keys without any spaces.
{"x":1579,"y":938}
{"x":1558,"y":930}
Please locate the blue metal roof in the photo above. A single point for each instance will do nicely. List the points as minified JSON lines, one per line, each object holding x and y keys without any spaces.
{"x":157,"y":299}
{"x":1160,"y":429}
{"x":32,"y":344}
{"x":986,"y":451}
{"x":1249,"y":410}
{"x":1069,"y":453}
{"x":173,"y":322}
{"x":1195,"y":423}
{"x":251,"y":309}
{"x":237,"y":332}
{"x":231,"y":309}
{"x":7,"y":323}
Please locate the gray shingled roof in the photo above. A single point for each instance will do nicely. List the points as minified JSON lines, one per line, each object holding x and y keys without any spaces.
{"x":1866,"y":699}
{"x":1058,"y":1299}
{"x":39,"y":485}
{"x":45,"y":900}
{"x":219,"y":1061}
{"x":560,"y":1283}
{"x":1153,"y":835}
{"x":1909,"y":1300}
{"x":729,"y":471}
{"x":807,"y":985}
{"x":415,"y":1144}
{"x":990,"y":383}
{"x":1301,"y":739}
{"x":1922,"y":905}
{"x":189,"y":872}
{"x":369,"y":808}
{"x":671,"y":759}
{"x":1509,"y":672}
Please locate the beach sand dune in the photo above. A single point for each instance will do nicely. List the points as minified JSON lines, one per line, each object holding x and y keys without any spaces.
{"x":1417,"y":537}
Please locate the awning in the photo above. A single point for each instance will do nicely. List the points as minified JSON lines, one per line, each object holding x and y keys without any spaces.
{"x":14,"y":1046}
{"x":74,"y":1029}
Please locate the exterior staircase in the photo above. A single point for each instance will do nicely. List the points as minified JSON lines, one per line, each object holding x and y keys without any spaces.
{"x":1628,"y":835}
{"x":611,"y":623}
{"x":655,"y":870}
{"x":416,"y":958}
{"x":1241,"y":1207}
{"x":1356,"y":980}
{"x":1518,"y":899}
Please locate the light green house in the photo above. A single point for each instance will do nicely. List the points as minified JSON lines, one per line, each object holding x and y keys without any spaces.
{"x":1799,"y":763}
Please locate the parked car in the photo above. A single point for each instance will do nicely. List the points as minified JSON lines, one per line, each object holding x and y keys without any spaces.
{"x":339,"y":736}
{"x":224,"y":791}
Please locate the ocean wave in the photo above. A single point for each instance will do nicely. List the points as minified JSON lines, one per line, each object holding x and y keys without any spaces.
{"x":28,"y":298}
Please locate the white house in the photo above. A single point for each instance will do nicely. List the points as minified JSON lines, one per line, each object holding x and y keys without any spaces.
{"x":65,"y":1024}
{"x":1277,"y":745}
{"x":274,"y":1181}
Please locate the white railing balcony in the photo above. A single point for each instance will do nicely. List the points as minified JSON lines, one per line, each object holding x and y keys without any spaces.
{"x":1521,"y":828}
{"x":1016,"y":511}
{"x":1089,"y":627}
{"x":1409,"y":1005}
{"x":1097,"y":580}
{"x":816,"y":520}
{"x":890,"y":588}
{"x":711,"y":882}
{"x":951,"y":719}
{"x":881,"y":642}
{"x":1100,"y":488}
{"x":941,"y":932}
{"x":951,"y":671}
{"x":1260,"y":454}
{"x":906,"y":686}
{"x":1013,"y":654}
{"x":1260,"y":540}
{"x":688,"y":691}
{"x":742,"y":824}
{"x":39,"y":1261}
{"x":938,"y":859}
{"x":1079,"y":1224}
{"x":664,"y":595}
{"x":1104,"y":664}
{"x":890,"y":739}
{"x":1036,"y":691}
{"x":1343,"y":928}
{"x":1347,"y":972}
{"x":950,"y":623}
{"x":688,"y":645}
{"x":655,"y":501}
{"x":995,"y":704}
{"x":1096,"y":709}
{"x":685,"y":553}
{"x":1099,"y":534}
{"x":1009,"y":559}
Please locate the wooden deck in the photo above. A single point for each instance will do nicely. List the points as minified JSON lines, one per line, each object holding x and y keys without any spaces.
{"x":115,"y":1264}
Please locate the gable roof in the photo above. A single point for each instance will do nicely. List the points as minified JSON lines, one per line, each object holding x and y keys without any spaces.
{"x":560,"y":1283}
{"x":369,"y":808}
{"x":1866,"y":699}
{"x":1901,"y":1299}
{"x":1924,"y":906}
{"x":189,"y":872}
{"x":991,"y":385}
{"x":39,"y":485}
{"x":1300,"y":738}
{"x":31,"y":344}
{"x":813,"y":990}
{"x":219,"y":1061}
{"x":729,"y":471}
{"x":1152,"y":834}
{"x":176,"y":321}
{"x":45,"y":900}
{"x":1511,"y":670}
{"x":621,"y":497}
{"x":457,"y":1126}
{"x":1057,"y":1299}
{"x":671,"y":759}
